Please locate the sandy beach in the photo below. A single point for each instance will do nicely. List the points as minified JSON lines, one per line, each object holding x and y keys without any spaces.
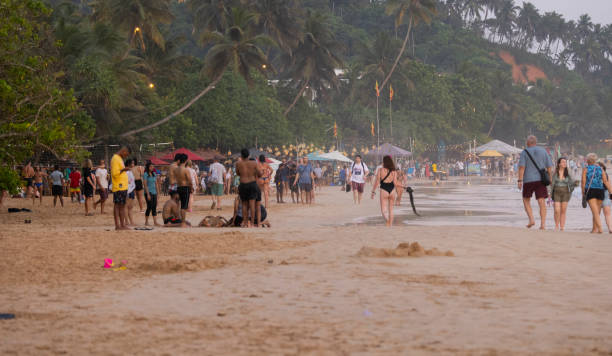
{"x":301,"y":287}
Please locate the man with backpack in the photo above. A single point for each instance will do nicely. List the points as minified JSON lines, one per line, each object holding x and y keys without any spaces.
{"x":357,"y":175}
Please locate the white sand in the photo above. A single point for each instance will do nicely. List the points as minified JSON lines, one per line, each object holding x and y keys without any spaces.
{"x":299,"y":288}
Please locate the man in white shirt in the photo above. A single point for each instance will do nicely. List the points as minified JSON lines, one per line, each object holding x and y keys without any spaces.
{"x":217,"y":175}
{"x":102,"y":180}
{"x":357,"y":175}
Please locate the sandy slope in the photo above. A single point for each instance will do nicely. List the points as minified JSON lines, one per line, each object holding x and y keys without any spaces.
{"x":300,"y":288}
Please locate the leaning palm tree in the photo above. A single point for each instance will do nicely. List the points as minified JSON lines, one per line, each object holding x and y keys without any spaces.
{"x":314,"y":61}
{"x":279,"y":19}
{"x":237,"y":48}
{"x":417,"y":11}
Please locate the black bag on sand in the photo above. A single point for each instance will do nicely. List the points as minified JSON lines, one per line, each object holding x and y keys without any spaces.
{"x":348,"y":188}
{"x":544,"y":178}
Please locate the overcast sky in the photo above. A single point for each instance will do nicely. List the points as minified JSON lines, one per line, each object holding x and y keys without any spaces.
{"x":599,"y":10}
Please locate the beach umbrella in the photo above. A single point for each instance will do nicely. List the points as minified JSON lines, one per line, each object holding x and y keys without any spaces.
{"x":491,"y":153}
{"x":335,"y":156}
{"x":190,"y":155}
{"x":388,"y":149}
{"x":158,"y":162}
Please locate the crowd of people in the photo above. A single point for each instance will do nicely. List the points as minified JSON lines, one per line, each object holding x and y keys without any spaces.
{"x":136,"y":186}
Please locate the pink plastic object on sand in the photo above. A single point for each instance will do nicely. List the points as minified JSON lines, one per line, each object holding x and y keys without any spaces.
{"x":108,"y":263}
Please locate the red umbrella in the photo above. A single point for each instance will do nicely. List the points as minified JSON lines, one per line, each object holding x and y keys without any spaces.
{"x":158,"y":162}
{"x":190,"y":155}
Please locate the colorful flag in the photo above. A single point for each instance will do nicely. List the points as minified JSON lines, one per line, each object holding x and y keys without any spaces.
{"x":335,"y":130}
{"x":372,"y":129}
{"x":377,"y":91}
{"x":391,"y":92}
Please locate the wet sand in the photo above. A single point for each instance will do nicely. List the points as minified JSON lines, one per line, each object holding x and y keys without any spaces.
{"x":302,"y":287}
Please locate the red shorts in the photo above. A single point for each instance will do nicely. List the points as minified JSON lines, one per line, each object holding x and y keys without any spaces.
{"x":535,"y":187}
{"x":358,"y":187}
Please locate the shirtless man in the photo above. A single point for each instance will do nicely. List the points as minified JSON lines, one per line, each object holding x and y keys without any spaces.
{"x":183,"y":182}
{"x":28,"y":175}
{"x":138,"y":171}
{"x":171,"y":177}
{"x":171,"y":213}
{"x":39,"y":175}
{"x":248,"y":171}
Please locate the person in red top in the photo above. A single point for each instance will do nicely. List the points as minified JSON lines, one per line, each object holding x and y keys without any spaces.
{"x":75,"y":185}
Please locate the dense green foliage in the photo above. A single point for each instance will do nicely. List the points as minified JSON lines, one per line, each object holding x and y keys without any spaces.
{"x":230,"y":73}
{"x":36,"y":113}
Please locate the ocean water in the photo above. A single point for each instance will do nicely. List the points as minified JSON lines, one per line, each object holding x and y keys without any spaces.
{"x":458,"y":203}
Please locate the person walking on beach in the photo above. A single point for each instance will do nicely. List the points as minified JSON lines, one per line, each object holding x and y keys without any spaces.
{"x":129,"y":206}
{"x":57,"y":188}
{"x":194,"y":183}
{"x":264,"y":181}
{"x":594,"y":185}
{"x":217,"y":178}
{"x":607,"y":202}
{"x":75,"y":186}
{"x":89,"y":184}
{"x":102,"y":185}
{"x":138,"y":171}
{"x":119,"y":179}
{"x":39,"y":175}
{"x":305,"y":178}
{"x":357,"y":176}
{"x":532,"y":159}
{"x":562,"y":187}
{"x":387,"y":179}
{"x":248,"y":171}
{"x":151,"y":188}
{"x":183,"y":182}
{"x":28,"y":175}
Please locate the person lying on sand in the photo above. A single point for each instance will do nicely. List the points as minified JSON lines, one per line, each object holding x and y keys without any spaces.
{"x":237,"y":219}
{"x":172,"y":212}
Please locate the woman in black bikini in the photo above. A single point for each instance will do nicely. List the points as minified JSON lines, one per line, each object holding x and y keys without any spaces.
{"x":387,"y":178}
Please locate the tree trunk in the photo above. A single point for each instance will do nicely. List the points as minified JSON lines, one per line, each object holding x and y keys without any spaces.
{"x":176,"y":113}
{"x":399,"y":56}
{"x":297,"y":97}
{"x":492,"y":125}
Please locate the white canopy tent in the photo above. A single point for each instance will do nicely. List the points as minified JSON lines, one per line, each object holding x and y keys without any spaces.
{"x":336,"y":156}
{"x":499,"y":146}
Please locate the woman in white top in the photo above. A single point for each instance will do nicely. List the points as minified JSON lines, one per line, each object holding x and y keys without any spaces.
{"x":194,"y":182}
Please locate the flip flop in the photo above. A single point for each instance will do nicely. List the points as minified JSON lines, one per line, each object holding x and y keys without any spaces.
{"x":7,"y":316}
{"x":143,"y":228}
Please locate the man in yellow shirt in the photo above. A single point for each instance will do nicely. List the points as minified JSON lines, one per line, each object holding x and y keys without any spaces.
{"x":120,"y":187}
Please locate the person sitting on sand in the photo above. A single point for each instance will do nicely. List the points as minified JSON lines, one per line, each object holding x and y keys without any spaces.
{"x":171,"y":213}
{"x":238,"y":217}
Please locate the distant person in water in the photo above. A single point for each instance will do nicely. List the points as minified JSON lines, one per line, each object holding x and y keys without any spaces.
{"x":387,"y":179}
{"x":532,"y":159}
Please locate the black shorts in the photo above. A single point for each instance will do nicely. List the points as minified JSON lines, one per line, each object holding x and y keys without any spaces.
{"x":595,"y":193}
{"x":29,"y":182}
{"x":139,"y":186}
{"x":307,"y":187}
{"x":132,"y":195}
{"x":536,"y":187}
{"x":88,"y":191}
{"x":172,"y":221}
{"x":57,"y":190}
{"x":184,"y":195}
{"x":248,"y":191}
{"x":120,"y":197}
{"x":103,"y":194}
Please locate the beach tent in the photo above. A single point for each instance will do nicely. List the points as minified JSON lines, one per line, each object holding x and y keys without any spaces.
{"x":315,"y":156}
{"x":254,"y":153}
{"x":499,"y":146}
{"x":388,"y":149}
{"x":190,"y":155}
{"x":210,"y":154}
{"x":158,"y":162}
{"x":491,"y":153}
{"x":335,"y":156}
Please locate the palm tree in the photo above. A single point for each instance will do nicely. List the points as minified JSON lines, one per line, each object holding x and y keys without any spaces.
{"x":138,"y":18}
{"x":237,"y":48}
{"x":526,"y":21}
{"x":506,"y":18}
{"x":279,"y":19}
{"x":210,"y":15}
{"x":417,"y":11}
{"x":314,"y":61}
